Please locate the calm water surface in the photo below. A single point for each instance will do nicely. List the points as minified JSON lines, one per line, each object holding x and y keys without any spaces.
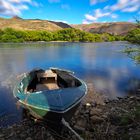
{"x":102,"y":65}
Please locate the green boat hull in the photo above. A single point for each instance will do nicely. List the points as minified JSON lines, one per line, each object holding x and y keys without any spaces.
{"x":51,"y":105}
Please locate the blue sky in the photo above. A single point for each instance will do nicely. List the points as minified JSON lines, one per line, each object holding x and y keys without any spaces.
{"x":72,"y":11}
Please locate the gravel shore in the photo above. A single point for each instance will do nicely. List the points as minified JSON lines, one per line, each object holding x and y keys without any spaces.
{"x":96,"y":119}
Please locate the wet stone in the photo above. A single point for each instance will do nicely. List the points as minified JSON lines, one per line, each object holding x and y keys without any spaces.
{"x":1,"y":135}
{"x":29,"y":138}
{"x":79,"y":129}
{"x":103,"y":122}
{"x":81,"y":123}
{"x":96,"y":119}
{"x":95,"y":111}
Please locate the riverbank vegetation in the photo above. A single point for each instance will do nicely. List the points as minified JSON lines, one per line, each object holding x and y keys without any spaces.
{"x":69,"y":34}
{"x":134,"y":36}
{"x":133,"y":53}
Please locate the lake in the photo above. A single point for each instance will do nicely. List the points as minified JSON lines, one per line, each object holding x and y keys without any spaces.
{"x":101,"y":65}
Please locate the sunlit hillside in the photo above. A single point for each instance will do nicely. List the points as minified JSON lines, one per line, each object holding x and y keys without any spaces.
{"x":31,"y":24}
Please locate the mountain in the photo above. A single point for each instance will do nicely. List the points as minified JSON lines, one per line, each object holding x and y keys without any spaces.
{"x":31,"y":24}
{"x":116,"y":28}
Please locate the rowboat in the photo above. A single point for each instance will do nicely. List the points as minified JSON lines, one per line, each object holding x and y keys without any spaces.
{"x":52,"y":94}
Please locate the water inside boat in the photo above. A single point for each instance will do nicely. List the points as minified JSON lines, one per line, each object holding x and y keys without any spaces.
{"x":50,"y":80}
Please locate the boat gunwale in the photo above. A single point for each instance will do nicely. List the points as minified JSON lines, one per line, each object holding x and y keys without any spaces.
{"x":61,"y":111}
{"x":39,"y":92}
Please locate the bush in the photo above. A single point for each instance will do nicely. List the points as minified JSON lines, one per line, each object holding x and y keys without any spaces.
{"x":134,"y":36}
{"x":69,"y":34}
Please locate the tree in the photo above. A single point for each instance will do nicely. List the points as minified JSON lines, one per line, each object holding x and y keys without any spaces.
{"x":9,"y":38}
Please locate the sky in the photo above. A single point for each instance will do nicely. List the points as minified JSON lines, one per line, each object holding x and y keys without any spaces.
{"x":72,"y":11}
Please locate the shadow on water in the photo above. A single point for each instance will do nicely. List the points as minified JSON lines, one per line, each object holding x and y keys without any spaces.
{"x":8,"y":109}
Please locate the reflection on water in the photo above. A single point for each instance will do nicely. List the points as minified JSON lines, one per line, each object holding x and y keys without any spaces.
{"x":102,"y":65}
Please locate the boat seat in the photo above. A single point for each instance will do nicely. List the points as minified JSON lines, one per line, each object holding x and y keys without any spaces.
{"x":47,"y":74}
{"x":47,"y":84}
{"x":40,"y":87}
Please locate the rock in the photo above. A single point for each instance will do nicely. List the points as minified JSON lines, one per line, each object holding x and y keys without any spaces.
{"x":1,"y":135}
{"x":17,"y":131}
{"x":79,"y":129}
{"x":96,"y":119}
{"x":88,"y":104}
{"x":29,"y":138}
{"x":94,"y":104}
{"x":95,"y":111}
{"x":103,"y":104}
{"x":87,"y":135}
{"x":132,"y":97}
{"x":104,"y":116}
{"x":113,"y":109}
{"x":130,"y":138}
{"x":87,"y":112}
{"x":81,"y":123}
{"x":119,"y":98}
{"x":23,"y":135}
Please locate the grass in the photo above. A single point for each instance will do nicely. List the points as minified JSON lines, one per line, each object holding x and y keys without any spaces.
{"x":130,"y":117}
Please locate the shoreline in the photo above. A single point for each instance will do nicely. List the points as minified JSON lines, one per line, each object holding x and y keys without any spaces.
{"x":97,"y":118}
{"x":39,"y":42}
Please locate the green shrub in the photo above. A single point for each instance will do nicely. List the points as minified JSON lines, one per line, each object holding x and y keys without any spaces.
{"x":134,"y":36}
{"x":69,"y":34}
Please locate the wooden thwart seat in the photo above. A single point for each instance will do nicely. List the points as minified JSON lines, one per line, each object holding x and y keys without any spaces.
{"x":47,"y":86}
{"x":47,"y":74}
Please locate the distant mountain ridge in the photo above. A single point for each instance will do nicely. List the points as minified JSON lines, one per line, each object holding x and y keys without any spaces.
{"x":31,"y":24}
{"x":115,"y":28}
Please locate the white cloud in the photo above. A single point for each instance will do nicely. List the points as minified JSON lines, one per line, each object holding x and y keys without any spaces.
{"x":86,"y":22}
{"x":53,"y":1}
{"x":14,"y":7}
{"x":90,"y":18}
{"x":65,"y":6}
{"x":131,"y":20}
{"x":106,"y":7}
{"x":92,"y":2}
{"x":61,"y":21}
{"x":126,"y":5}
{"x":34,"y":3}
{"x":114,"y":16}
{"x":119,"y":5}
{"x":98,"y":13}
{"x":109,"y":10}
{"x":131,"y":9}
{"x":19,"y":1}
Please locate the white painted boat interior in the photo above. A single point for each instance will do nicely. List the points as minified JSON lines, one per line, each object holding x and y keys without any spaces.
{"x":47,"y":81}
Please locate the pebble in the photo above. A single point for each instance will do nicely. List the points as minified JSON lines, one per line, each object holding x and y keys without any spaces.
{"x":96,"y":119}
{"x":79,"y":129}
{"x":92,"y":122}
{"x":81,"y":123}
{"x":95,"y":111}
{"x":88,"y":104}
{"x":1,"y":135}
{"x":29,"y":138}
